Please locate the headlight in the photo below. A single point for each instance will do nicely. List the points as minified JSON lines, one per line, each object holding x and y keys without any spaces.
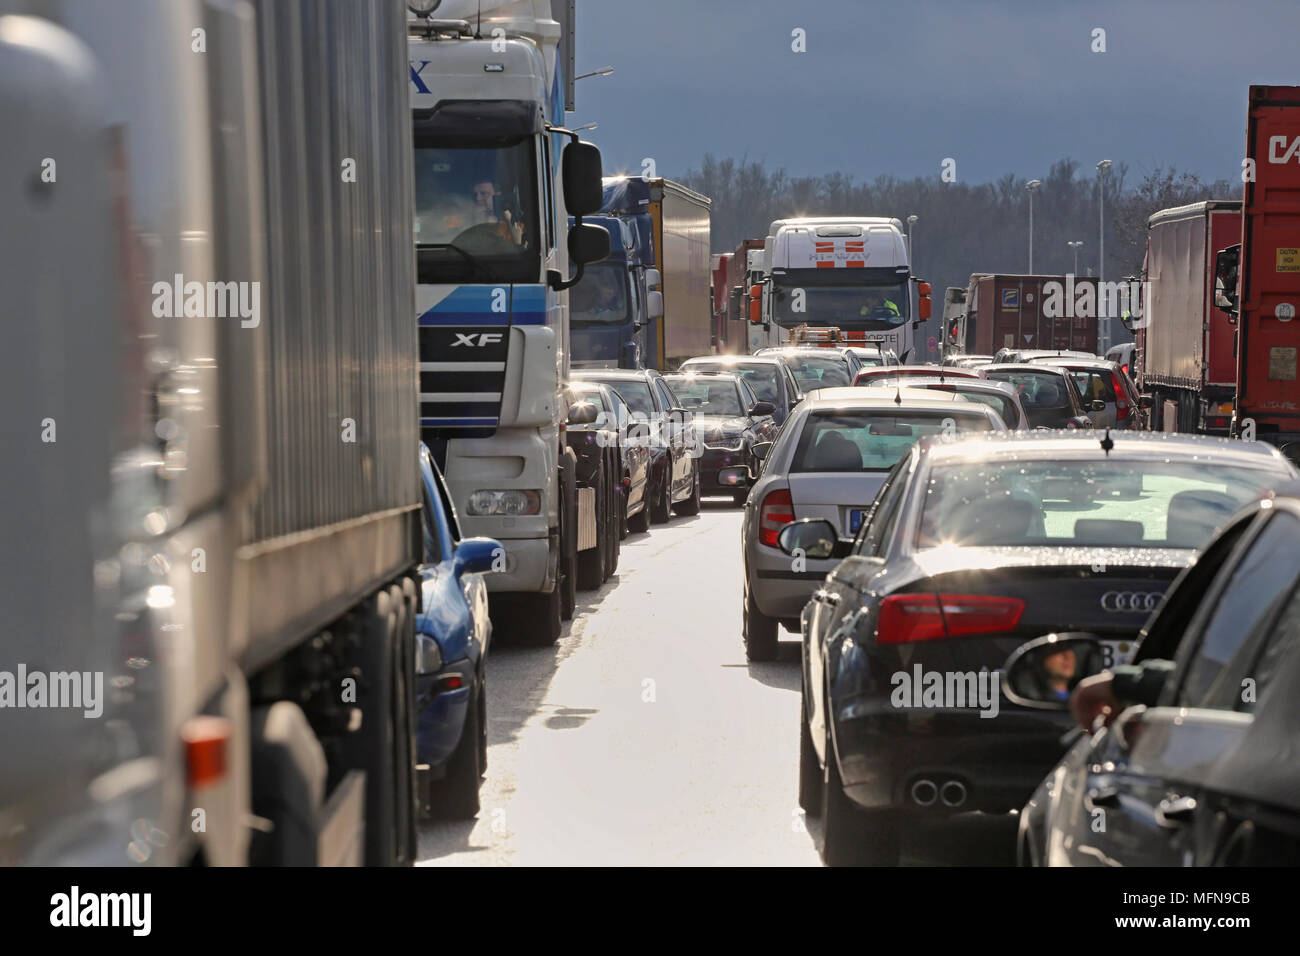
{"x":505,"y":503}
{"x":428,"y":658}
{"x":721,"y":441}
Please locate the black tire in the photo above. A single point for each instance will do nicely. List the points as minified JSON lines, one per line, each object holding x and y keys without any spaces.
{"x":624,"y":521}
{"x":851,"y":836}
{"x":760,"y":632}
{"x":614,"y":523}
{"x":456,"y":796}
{"x":539,"y":618}
{"x":691,"y":506}
{"x":810,"y":771}
{"x":482,"y":722}
{"x":661,"y":507}
{"x":639,"y":523}
{"x":740,"y":497}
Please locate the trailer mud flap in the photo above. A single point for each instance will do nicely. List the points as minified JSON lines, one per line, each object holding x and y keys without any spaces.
{"x":341,"y":840}
{"x":587,"y":538}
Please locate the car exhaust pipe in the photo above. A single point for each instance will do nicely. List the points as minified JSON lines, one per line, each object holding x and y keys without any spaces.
{"x":924,"y":793}
{"x":953,"y":793}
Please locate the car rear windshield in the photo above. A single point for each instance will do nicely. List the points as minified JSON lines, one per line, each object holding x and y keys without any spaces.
{"x":873,"y":440}
{"x":1043,"y":394}
{"x":813,"y":371}
{"x":1004,"y":405}
{"x":1068,"y":502}
{"x":635,"y":392}
{"x":762,"y":378}
{"x":705,"y":396}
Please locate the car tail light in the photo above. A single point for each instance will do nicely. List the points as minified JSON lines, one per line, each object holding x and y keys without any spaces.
{"x":1121,"y":406}
{"x":776,"y":512}
{"x":1071,"y":423}
{"x":907,"y":618}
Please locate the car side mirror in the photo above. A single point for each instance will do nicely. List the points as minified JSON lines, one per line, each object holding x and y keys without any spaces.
{"x":1044,"y":672}
{"x":762,"y":449}
{"x":654,"y":305}
{"x":478,"y":556}
{"x":814,"y":538}
{"x":582,"y":413}
{"x":761,"y":409}
{"x":584,"y":192}
{"x":1146,"y":401}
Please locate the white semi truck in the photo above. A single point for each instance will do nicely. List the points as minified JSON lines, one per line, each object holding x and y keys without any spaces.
{"x":496,"y":178}
{"x":850,"y":273}
{"x":212,"y":511}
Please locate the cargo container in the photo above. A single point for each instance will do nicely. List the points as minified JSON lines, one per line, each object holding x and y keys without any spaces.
{"x":1030,"y":312}
{"x":1185,"y":365}
{"x":680,"y":239}
{"x":1267,"y":266}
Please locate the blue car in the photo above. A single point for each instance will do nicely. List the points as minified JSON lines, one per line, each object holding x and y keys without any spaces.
{"x":452,"y":634}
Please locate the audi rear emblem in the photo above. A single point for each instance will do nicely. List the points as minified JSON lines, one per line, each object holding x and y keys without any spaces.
{"x":1131,"y":601}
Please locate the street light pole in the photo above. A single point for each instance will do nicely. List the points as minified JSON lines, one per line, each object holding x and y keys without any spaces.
{"x":1075,"y":244}
{"x":911,"y":226}
{"x":1032,"y":186}
{"x":1103,"y":326}
{"x":603,"y":71}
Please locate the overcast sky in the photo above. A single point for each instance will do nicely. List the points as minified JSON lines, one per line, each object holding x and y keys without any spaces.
{"x":999,"y":85}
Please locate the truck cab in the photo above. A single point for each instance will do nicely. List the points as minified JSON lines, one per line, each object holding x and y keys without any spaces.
{"x":613,"y":309}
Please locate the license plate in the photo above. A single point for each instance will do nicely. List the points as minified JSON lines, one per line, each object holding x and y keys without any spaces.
{"x":855,"y":519}
{"x":1116,"y":652}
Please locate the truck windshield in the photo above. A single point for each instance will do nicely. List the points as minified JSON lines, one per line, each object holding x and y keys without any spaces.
{"x":601,"y":296}
{"x":476,"y":213}
{"x":865,"y":307}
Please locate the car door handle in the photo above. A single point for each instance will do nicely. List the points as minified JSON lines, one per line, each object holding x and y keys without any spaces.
{"x":1101,"y":798}
{"x":828,"y":597}
{"x":1175,"y":811}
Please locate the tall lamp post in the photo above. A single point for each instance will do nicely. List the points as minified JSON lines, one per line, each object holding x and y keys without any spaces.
{"x":603,"y":71}
{"x":1104,"y":324}
{"x":1075,"y":244}
{"x":1032,"y":186}
{"x":911,"y":227}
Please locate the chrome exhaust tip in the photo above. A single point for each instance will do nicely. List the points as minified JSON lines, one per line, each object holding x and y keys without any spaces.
{"x":953,"y":793}
{"x":924,"y":793}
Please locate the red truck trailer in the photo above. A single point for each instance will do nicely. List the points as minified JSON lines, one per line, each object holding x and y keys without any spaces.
{"x":1029,"y":312}
{"x":1186,"y":368}
{"x":741,"y":264}
{"x":1266,"y":268}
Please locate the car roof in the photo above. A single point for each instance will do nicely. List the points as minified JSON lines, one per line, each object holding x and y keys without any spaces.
{"x":1046,"y":444}
{"x":617,"y":374}
{"x":730,"y":360}
{"x":1022,"y":367}
{"x":802,"y":350}
{"x":725,"y":376}
{"x":1065,"y":361}
{"x":979,"y":384}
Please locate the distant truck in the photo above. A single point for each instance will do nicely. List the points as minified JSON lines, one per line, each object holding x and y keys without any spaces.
{"x":615,"y":308}
{"x":679,"y":239}
{"x":1264,"y":271}
{"x":219,"y":546}
{"x":1186,"y":366}
{"x":1029,"y":312}
{"x":954,"y":310}
{"x":850,"y":273}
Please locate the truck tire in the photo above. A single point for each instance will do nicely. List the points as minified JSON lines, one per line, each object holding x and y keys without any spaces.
{"x":289,"y":773}
{"x":591,"y":563}
{"x":539,"y":618}
{"x":691,"y":506}
{"x":456,"y":796}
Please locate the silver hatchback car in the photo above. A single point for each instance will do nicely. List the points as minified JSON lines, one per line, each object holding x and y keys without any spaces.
{"x":829,"y":461}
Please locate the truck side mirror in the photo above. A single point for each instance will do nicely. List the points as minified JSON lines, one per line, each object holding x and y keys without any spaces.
{"x":583,"y":191}
{"x":654,"y":305}
{"x":653,"y":279}
{"x":588,"y":243}
{"x":756,"y":304}
{"x":923,"y":307}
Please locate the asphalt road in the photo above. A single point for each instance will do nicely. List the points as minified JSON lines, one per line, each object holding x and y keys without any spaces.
{"x":644,"y":738}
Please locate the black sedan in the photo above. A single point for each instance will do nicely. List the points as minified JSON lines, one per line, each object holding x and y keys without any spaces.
{"x":1049,"y":395}
{"x":614,"y":424}
{"x":768,"y":375}
{"x":972,"y":547}
{"x":1197,"y":765}
{"x":729,"y":420}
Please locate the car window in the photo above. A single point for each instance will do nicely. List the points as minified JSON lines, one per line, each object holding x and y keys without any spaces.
{"x":1079,"y":502}
{"x":1283,"y":638}
{"x":705,"y":396}
{"x":1093,"y":385}
{"x":873,"y":439}
{"x":886,"y":519}
{"x":432,"y":545}
{"x":636,"y":393}
{"x":447,"y":509}
{"x":864,"y":542}
{"x":594,"y":396}
{"x":815,"y":371}
{"x":1261,"y":583}
{"x":666,"y":396}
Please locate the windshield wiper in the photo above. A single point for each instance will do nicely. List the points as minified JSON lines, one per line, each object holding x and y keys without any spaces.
{"x":474,"y":262}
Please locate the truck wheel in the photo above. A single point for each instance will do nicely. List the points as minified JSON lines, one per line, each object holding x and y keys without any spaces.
{"x":456,"y":796}
{"x":691,"y":506}
{"x":591,"y":563}
{"x":539,"y":620}
{"x":761,"y":642}
{"x":288,"y":773}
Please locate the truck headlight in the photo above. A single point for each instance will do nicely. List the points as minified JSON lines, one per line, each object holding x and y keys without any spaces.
{"x":505,"y":503}
{"x":428,"y":658}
